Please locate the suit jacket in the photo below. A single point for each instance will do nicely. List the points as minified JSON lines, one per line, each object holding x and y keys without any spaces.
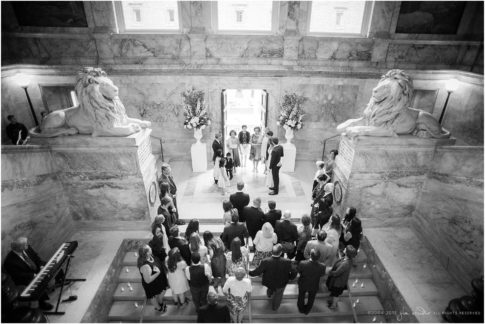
{"x":272,"y":216}
{"x":19,"y":270}
{"x":310,"y":273}
{"x":216,"y":145}
{"x":277,"y":271}
{"x":171,"y":183}
{"x":276,"y":156}
{"x":239,"y":200}
{"x":245,"y":140}
{"x":234,"y":230}
{"x":286,"y":231}
{"x":254,"y":219}
{"x":338,"y":277}
{"x":213,"y":314}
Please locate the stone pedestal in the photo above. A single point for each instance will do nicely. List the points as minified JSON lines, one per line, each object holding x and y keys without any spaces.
{"x":106,"y":179}
{"x":382,"y":176}
{"x":198,"y":153}
{"x":288,"y":160}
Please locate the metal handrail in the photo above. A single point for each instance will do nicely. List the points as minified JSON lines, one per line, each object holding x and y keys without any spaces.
{"x":324,"y":142}
{"x":161,"y":145}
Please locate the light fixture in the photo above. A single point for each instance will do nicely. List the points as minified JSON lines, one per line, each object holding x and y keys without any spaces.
{"x":23,"y":81}
{"x":451,"y":85}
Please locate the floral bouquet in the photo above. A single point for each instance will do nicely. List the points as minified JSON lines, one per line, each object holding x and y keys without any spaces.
{"x":291,"y":114}
{"x":195,"y":111}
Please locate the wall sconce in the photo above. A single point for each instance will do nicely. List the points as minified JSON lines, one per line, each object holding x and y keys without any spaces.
{"x":450,"y":86}
{"x":23,"y":81}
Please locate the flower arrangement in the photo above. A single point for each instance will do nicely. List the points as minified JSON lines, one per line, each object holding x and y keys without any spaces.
{"x":195,"y":111}
{"x":291,"y":114}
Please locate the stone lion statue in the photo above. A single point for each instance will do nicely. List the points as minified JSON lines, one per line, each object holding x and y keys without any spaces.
{"x":100,"y":111}
{"x":388,"y":114}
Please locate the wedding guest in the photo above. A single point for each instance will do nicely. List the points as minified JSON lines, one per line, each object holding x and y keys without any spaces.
{"x":339,"y":276}
{"x":165,"y":192}
{"x":334,"y":230}
{"x":287,"y":233}
{"x":264,"y":148}
{"x":213,"y":312}
{"x":238,"y":256}
{"x":159,"y":221}
{"x":235,"y":229}
{"x":239,"y":200}
{"x":176,"y":277}
{"x":229,"y":166}
{"x":320,"y":171}
{"x":273,"y":214}
{"x":263,"y":243}
{"x":317,"y":194}
{"x":220,"y":172}
{"x":163,"y":210}
{"x":275,"y":165}
{"x":192,"y":227}
{"x":244,"y":139}
{"x":234,"y":147}
{"x":269,"y":175}
{"x":237,"y":290}
{"x":254,"y":217}
{"x":159,"y":243}
{"x":324,"y":206}
{"x":166,"y":176}
{"x":304,"y":235}
{"x":310,"y":272}
{"x":218,"y":259}
{"x":256,"y":142}
{"x":216,"y":146}
{"x":227,"y":207}
{"x":177,"y":241}
{"x":329,"y":166}
{"x":17,"y":132}
{"x":328,"y":254}
{"x":352,"y":229}
{"x":199,"y":276}
{"x":154,"y":280}
{"x":196,"y":247}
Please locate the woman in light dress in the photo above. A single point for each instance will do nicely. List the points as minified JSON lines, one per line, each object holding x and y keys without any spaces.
{"x":234,"y":147}
{"x":333,"y":228}
{"x":263,"y":242}
{"x":238,"y":256}
{"x":176,"y":277}
{"x":196,"y":246}
{"x":220,"y":172}
{"x":237,"y":290}
{"x":269,"y":175}
{"x":256,"y":141}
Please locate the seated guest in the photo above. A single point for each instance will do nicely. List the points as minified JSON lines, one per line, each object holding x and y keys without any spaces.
{"x":159,"y":243}
{"x":167,"y":216}
{"x":22,"y":263}
{"x":328,"y":254}
{"x":310,"y":272}
{"x":193,"y":227}
{"x":213,"y":312}
{"x":237,"y":257}
{"x":339,"y":276}
{"x":177,"y":241}
{"x":154,"y":280}
{"x":287,"y":234}
{"x":254,"y":217}
{"x":237,"y":290}
{"x":199,"y":276}
{"x":304,"y":235}
{"x":263,"y":243}
{"x":320,"y":171}
{"x":273,"y":214}
{"x":195,"y":246}
{"x":227,"y":207}
{"x":239,"y":200}
{"x":176,"y":277}
{"x":235,"y":229}
{"x":352,"y":229}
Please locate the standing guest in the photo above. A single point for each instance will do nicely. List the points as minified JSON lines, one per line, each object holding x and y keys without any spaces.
{"x":328,"y":254}
{"x":213,"y":312}
{"x":237,"y":290}
{"x":17,"y":132}
{"x":234,"y":148}
{"x":329,"y":166}
{"x":320,"y":171}
{"x":216,"y":146}
{"x":276,"y":271}
{"x":325,"y":209}
{"x":264,"y":148}
{"x":223,"y":182}
{"x":334,"y":230}
{"x":192,"y":227}
{"x":165,"y":193}
{"x":22,"y":263}
{"x":254,"y":217}
{"x":199,"y":276}
{"x":244,"y":138}
{"x":154,"y":281}
{"x":339,"y":275}
{"x":239,"y":200}
{"x":216,"y":173}
{"x":167,"y":177}
{"x":176,"y":277}
{"x":235,"y":229}
{"x":177,"y":241}
{"x":238,"y":256}
{"x":310,"y":272}
{"x":227,"y":207}
{"x":256,"y":142}
{"x":287,"y":233}
{"x":317,"y":194}
{"x":159,"y":221}
{"x":275,"y":165}
{"x":263,"y":243}
{"x":218,"y":259}
{"x":269,"y":176}
{"x":352,"y":229}
{"x":229,"y":166}
{"x":197,"y":247}
{"x":304,"y":235}
{"x":159,"y":243}
{"x":165,"y":203}
{"x":273,"y":214}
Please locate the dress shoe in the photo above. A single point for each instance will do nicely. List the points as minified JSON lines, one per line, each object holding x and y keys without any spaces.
{"x":272,"y":193}
{"x":45,"y":305}
{"x":271,"y":188}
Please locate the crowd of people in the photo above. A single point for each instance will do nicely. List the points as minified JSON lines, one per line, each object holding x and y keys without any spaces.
{"x":208,"y":266}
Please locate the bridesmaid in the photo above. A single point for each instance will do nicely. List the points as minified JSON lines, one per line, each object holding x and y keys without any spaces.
{"x":256,"y":141}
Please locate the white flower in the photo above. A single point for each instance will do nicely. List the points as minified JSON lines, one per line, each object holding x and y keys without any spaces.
{"x":298,"y":127}
{"x":189,"y":126}
{"x":202,"y":127}
{"x":291,"y":123}
{"x":195,"y":120}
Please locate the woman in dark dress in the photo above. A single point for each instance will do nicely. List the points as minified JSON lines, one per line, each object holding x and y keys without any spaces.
{"x":339,"y":275}
{"x":218,"y":259}
{"x":153,"y":278}
{"x":352,"y":229}
{"x":192,"y":227}
{"x":157,"y":243}
{"x":322,"y":205}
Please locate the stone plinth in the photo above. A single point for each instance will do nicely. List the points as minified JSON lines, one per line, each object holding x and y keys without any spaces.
{"x":289,"y":157}
{"x":383,"y":176}
{"x":106,"y":178}
{"x":198,"y":152}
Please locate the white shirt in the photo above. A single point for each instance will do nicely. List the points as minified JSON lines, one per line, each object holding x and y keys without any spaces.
{"x":238,"y":287}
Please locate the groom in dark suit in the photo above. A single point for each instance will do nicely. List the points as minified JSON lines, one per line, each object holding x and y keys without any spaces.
{"x":275,"y":165}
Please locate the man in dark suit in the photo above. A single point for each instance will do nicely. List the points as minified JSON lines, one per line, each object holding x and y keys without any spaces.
{"x":239,"y":200}
{"x":235,"y":229}
{"x":275,"y":165}
{"x":22,"y":263}
{"x":273,"y":214}
{"x":310,"y":272}
{"x":287,"y":234}
{"x":213,"y":312}
{"x":277,"y":271}
{"x":254,"y":217}
{"x":167,"y":177}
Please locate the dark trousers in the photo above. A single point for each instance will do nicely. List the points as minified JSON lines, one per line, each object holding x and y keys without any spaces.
{"x":276,"y":178}
{"x":276,"y":296}
{"x":199,"y":295}
{"x":305,"y":309}
{"x":229,"y":174}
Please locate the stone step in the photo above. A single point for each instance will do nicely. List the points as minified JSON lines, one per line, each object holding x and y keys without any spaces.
{"x":259,"y":292}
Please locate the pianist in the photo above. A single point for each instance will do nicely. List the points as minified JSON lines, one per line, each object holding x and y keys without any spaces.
{"x":22,"y":264}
